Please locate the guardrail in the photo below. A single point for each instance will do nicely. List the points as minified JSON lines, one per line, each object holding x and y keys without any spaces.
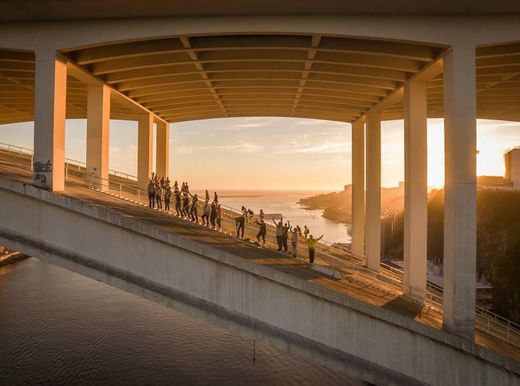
{"x":486,"y":320}
{"x":23,"y":151}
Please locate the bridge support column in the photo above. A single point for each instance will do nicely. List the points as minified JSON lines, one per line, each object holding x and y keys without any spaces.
{"x":358,"y":189}
{"x":144,"y":149}
{"x":49,"y":121}
{"x":373,"y":198}
{"x":416,"y":191}
{"x":98,"y":123}
{"x":460,"y":199}
{"x":163,"y":149}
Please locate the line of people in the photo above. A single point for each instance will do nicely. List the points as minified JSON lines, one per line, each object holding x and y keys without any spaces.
{"x":186,"y":204}
{"x":282,"y":233}
{"x":282,"y":237}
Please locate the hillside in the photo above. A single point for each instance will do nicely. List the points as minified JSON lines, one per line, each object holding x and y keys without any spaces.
{"x":336,"y":206}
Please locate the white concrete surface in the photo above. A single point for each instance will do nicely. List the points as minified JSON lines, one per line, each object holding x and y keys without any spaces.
{"x":416,"y":189}
{"x":373,"y":194}
{"x":98,"y":126}
{"x":144,"y":149}
{"x":162,"y":159}
{"x":460,"y":194}
{"x":444,"y":30}
{"x":49,"y":121}
{"x":358,"y":189}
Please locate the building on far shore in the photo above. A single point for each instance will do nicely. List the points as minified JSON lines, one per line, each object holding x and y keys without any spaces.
{"x":512,"y":161}
{"x":511,"y":180}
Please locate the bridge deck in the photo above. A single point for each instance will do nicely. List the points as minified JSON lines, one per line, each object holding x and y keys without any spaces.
{"x":351,"y":284}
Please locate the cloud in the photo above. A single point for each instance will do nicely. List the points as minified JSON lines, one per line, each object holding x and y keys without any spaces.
{"x":323,"y":148}
{"x":318,"y":122}
{"x":249,"y":125}
{"x":243,"y":126}
{"x":243,"y":147}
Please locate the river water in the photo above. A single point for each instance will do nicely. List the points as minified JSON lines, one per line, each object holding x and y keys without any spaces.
{"x":60,"y":328}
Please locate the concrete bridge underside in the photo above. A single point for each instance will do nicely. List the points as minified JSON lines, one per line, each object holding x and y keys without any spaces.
{"x":253,"y":291}
{"x":359,"y":69}
{"x":312,"y":76}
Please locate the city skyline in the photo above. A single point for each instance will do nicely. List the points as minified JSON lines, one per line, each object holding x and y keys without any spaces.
{"x":216,"y":153}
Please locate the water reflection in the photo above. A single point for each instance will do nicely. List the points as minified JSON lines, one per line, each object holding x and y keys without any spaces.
{"x":60,"y":328}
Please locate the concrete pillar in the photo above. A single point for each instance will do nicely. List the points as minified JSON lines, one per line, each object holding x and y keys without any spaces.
{"x":460,"y":194}
{"x":373,"y":195}
{"x":358,"y":189}
{"x":416,"y":189}
{"x":163,"y":149}
{"x":144,"y":149}
{"x":98,"y":123}
{"x":49,"y":121}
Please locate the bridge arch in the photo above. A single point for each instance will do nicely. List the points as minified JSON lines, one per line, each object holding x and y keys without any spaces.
{"x":358,"y":70}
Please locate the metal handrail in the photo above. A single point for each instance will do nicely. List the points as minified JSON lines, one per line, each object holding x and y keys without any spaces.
{"x":492,"y":323}
{"x":26,"y":151}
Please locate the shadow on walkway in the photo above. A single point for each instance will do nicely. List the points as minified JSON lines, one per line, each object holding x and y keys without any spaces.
{"x":402,"y":305}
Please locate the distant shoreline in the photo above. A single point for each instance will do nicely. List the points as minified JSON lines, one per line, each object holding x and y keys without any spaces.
{"x":337,"y":206}
{"x":333,"y":206}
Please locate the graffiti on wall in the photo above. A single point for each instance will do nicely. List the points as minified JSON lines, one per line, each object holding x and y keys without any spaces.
{"x":41,"y":169}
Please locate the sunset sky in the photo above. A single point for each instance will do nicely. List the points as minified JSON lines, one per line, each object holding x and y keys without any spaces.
{"x":276,"y":153}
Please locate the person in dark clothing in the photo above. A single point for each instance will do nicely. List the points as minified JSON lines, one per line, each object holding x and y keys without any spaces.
{"x":213,"y":214}
{"x":178,"y":208}
{"x":167,"y":199}
{"x":240,"y":223}
{"x":151,"y":194}
{"x":194,"y":209}
{"x":285,"y":237}
{"x":279,"y":233}
{"x":218,"y":211}
{"x":262,"y":231}
{"x":244,"y":213}
{"x":158,"y":195}
{"x":186,"y":205}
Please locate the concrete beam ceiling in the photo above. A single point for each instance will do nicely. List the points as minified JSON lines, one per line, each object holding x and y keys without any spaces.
{"x":312,"y":76}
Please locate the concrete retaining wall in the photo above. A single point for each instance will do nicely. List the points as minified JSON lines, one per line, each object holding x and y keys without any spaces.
{"x":372,"y":343}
